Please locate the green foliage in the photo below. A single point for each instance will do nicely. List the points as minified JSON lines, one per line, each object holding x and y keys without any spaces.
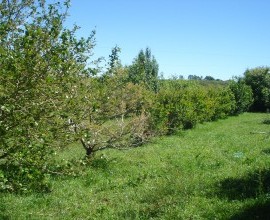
{"x":50,"y":98}
{"x":242,"y":94}
{"x":223,"y":102}
{"x":114,"y":61}
{"x":183,"y":104}
{"x":259,"y":81}
{"x":194,"y":77}
{"x":115,"y":113}
{"x":209,"y":78}
{"x":144,"y":70}
{"x":42,"y":65}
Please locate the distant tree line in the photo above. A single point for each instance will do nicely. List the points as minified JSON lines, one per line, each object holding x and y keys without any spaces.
{"x":253,"y":85}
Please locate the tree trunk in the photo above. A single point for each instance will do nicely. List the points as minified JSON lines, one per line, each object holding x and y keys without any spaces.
{"x":88,"y":149}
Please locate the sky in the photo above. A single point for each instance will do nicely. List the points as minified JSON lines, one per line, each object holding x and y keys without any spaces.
{"x":218,"y":38}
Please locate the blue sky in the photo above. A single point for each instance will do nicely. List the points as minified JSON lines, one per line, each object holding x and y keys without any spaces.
{"x":220,"y":38}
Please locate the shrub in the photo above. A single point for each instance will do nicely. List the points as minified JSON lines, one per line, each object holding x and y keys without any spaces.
{"x":259,"y":81}
{"x":243,"y":95}
{"x":181,"y":105}
{"x":224,"y":102}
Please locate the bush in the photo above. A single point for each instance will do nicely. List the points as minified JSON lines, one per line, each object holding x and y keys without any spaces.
{"x":259,"y":81}
{"x":169,"y":107}
{"x":243,"y":95}
{"x":181,"y":105}
{"x":223,"y":102}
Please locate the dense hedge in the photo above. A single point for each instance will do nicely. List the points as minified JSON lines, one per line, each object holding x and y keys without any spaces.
{"x":243,"y":95}
{"x":259,"y":80}
{"x":182,"y":104}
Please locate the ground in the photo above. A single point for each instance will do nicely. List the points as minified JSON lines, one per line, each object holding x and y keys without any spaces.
{"x":219,"y":170}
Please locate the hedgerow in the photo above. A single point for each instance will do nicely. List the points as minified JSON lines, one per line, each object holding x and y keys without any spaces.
{"x":182,"y":104}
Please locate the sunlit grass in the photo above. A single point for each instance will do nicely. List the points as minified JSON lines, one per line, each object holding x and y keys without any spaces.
{"x":219,"y":170}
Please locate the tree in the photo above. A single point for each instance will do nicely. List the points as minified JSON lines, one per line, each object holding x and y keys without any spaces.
{"x":194,"y":77}
{"x":209,"y":78}
{"x":117,"y":116}
{"x":114,"y":60}
{"x":43,"y":66}
{"x":259,"y":81}
{"x":144,"y":70}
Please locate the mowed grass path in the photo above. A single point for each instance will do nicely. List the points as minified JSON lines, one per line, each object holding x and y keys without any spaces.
{"x":219,"y":170}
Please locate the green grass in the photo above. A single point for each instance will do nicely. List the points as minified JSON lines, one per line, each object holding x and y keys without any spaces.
{"x":219,"y":170}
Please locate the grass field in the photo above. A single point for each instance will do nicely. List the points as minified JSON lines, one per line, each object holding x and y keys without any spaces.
{"x":219,"y":170}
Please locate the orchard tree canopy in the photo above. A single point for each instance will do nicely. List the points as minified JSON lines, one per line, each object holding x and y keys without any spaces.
{"x":48,"y":99}
{"x":42,"y":67}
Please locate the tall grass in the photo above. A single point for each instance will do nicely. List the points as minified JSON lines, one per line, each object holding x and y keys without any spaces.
{"x":219,"y":170}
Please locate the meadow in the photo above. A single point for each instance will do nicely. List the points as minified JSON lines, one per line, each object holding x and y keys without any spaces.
{"x":218,"y":170}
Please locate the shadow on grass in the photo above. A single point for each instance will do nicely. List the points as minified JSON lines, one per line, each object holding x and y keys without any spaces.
{"x":101,"y":162}
{"x":266,"y":151}
{"x":255,"y":185}
{"x":257,"y":211}
{"x":266,"y":121}
{"x":250,"y":186}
